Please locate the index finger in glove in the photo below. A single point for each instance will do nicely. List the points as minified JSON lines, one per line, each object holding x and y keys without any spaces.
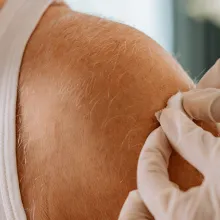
{"x":212,"y":78}
{"x":152,"y":175}
{"x":202,"y":104}
{"x":134,"y":208}
{"x":189,"y":140}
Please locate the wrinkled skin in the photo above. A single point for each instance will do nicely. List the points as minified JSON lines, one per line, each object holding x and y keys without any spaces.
{"x":87,"y":94}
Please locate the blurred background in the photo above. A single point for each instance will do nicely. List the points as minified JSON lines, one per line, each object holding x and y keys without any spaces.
{"x":189,"y":29}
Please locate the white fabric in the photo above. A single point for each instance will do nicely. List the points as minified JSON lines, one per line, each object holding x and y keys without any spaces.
{"x":18,"y":19}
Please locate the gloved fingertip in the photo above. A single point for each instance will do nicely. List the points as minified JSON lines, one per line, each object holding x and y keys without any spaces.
{"x":166,"y":113}
{"x":170,"y":121}
{"x":215,"y":112}
{"x":176,"y":101}
{"x":158,"y":114}
{"x":175,"y":185}
{"x":211,"y":77}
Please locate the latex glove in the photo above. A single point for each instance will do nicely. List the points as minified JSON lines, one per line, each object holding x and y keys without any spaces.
{"x":203,"y":103}
{"x":212,"y":78}
{"x":200,"y":148}
{"x":134,"y":208}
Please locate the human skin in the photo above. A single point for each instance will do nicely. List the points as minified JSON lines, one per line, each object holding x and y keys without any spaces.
{"x":2,"y":3}
{"x":88,"y":91}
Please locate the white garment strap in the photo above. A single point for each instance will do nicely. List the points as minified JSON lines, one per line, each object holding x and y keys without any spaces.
{"x":18,"y":19}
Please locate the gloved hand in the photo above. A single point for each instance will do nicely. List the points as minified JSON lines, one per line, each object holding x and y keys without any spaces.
{"x":212,"y":78}
{"x":198,"y":147}
{"x":203,"y":103}
{"x":164,"y":198}
{"x":134,"y":208}
{"x":197,"y":104}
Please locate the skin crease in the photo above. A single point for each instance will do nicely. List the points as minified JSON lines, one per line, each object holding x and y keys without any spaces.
{"x":87,"y":95}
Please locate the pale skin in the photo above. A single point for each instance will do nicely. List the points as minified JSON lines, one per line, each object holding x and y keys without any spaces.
{"x":88,"y":91}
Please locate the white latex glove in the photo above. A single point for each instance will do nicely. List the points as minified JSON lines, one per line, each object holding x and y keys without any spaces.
{"x":198,"y":147}
{"x":202,"y":103}
{"x":134,"y":208}
{"x":154,"y":160}
{"x":212,"y":78}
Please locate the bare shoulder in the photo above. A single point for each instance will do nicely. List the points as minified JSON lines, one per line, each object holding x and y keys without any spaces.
{"x":87,"y":41}
{"x":87,"y":95}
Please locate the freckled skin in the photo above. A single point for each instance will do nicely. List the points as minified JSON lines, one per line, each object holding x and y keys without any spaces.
{"x":87,"y":94}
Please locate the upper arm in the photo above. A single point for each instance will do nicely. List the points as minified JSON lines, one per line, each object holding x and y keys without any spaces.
{"x":87,"y":103}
